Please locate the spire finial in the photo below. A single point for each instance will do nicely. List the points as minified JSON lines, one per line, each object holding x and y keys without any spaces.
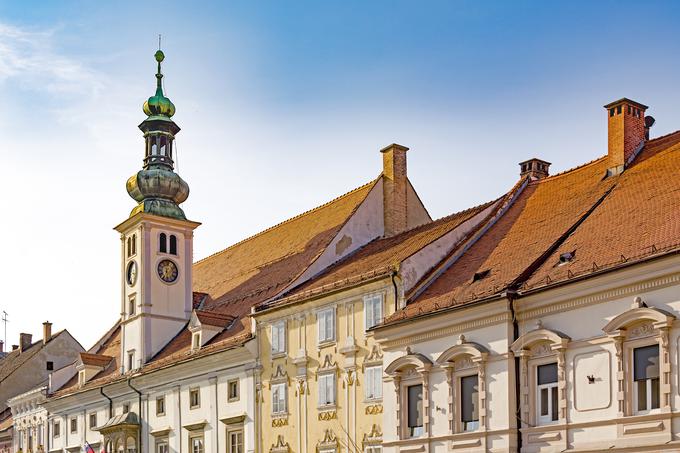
{"x":159,"y":104}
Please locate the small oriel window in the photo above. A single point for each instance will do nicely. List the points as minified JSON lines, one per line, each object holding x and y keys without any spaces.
{"x":163,"y":243}
{"x":173,"y":244}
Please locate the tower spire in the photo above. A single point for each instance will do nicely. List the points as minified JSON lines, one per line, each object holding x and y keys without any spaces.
{"x":157,"y":188}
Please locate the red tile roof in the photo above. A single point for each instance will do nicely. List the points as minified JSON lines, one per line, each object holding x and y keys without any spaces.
{"x":99,"y":360}
{"x":211,"y":318}
{"x":378,"y":257}
{"x":604,"y":220}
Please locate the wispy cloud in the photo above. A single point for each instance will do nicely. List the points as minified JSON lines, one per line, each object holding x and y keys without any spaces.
{"x":30,"y":57}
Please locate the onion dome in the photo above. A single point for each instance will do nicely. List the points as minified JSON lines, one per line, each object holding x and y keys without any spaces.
{"x":158,"y":104}
{"x":157,"y":188}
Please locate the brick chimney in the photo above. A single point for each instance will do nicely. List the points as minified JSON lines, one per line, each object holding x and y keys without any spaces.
{"x":394,"y":188}
{"x":15,"y":347}
{"x":25,"y":341}
{"x":626,"y":132}
{"x":536,"y":168}
{"x":2,"y":346}
{"x":47,"y":331}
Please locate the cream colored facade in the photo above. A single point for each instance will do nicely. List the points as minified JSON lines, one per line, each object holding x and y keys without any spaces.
{"x":351,"y":419}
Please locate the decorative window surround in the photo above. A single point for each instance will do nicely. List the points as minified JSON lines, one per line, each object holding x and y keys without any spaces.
{"x":464,"y":359}
{"x":281,"y":446}
{"x":401,"y":369}
{"x":629,"y":330}
{"x":372,"y":439}
{"x":328,"y":443}
{"x":541,"y":346}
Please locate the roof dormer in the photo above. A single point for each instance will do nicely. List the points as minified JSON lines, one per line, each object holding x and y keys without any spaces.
{"x":90,"y":365}
{"x":204,"y":325}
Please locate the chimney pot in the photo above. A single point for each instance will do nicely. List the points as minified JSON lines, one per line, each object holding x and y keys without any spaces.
{"x":626,"y":132}
{"x":535,"y":168}
{"x":25,"y":341}
{"x":395,"y":183}
{"x":47,"y":331}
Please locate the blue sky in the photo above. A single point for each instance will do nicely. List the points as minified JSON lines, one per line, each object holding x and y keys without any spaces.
{"x":284,"y":105}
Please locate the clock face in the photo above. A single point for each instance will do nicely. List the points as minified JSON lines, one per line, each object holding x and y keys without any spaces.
{"x":167,"y":271}
{"x":131,"y":273}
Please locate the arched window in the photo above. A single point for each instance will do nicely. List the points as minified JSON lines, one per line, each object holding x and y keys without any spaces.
{"x":163,"y":246}
{"x":173,"y":244}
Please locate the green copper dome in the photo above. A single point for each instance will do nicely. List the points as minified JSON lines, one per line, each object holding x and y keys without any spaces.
{"x":158,"y":104}
{"x":157,"y":188}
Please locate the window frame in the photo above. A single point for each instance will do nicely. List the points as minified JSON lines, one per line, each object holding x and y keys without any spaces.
{"x":235,"y":431}
{"x":73,"y":425}
{"x":325,"y":404}
{"x":631,"y":346}
{"x":370,"y":301}
{"x":91,"y":415}
{"x":553,"y":393}
{"x":281,"y":338}
{"x":194,"y":391}
{"x":284,"y":392}
{"x":200,"y":437}
{"x":409,"y":432}
{"x":373,"y":381}
{"x":56,"y":428}
{"x":462,"y":427}
{"x":237,"y":383}
{"x":322,"y":313}
{"x":162,"y":443}
{"x":160,"y":411}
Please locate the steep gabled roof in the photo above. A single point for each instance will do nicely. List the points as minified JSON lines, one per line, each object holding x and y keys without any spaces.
{"x":602,"y":221}
{"x":15,"y":359}
{"x":379,"y":257}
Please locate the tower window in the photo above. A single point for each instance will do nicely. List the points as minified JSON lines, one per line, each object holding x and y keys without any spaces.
{"x":129,"y":247}
{"x":173,"y":244}
{"x":163,"y":146}
{"x":163,"y":246}
{"x":134,"y":244}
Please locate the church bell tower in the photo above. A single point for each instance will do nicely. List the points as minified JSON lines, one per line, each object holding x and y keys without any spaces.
{"x":156,"y":241}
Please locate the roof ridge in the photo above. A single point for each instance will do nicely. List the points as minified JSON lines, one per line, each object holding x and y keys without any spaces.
{"x":578,"y":167}
{"x":662,"y":136}
{"x":370,"y":183}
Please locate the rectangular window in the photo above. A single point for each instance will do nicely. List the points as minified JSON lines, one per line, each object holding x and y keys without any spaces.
{"x":162,"y":446}
{"x":49,"y":366}
{"x":132,"y":306}
{"x":469,"y":410}
{"x":160,"y":405}
{"x":646,"y":378}
{"x":547,"y":397}
{"x":373,"y":382}
{"x":196,"y":444}
{"x":74,"y":425}
{"x":235,"y":440}
{"x":233,"y":390}
{"x":279,"y":337}
{"x":93,"y":420}
{"x":126,"y":408}
{"x":326,"y":324}
{"x":131,"y":360}
{"x":56,"y":429}
{"x":194,"y":398}
{"x":415,"y":410}
{"x":278,"y":398}
{"x":196,"y":341}
{"x":373,"y":310}
{"x":327,"y":390}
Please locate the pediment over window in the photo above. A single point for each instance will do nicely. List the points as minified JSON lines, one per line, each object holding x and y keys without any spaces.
{"x":553,"y":339}
{"x":408,"y":361}
{"x":280,"y":446}
{"x":329,"y":441}
{"x":207,"y":324}
{"x":280,"y":375}
{"x":463,"y":350}
{"x":638,"y":314}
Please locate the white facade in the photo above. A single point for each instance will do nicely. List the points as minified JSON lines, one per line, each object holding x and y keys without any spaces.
{"x":30,"y":421}
{"x":591,"y":334}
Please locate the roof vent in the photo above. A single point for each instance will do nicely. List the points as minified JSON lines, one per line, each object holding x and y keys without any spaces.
{"x":480,"y":275}
{"x":565,"y":258}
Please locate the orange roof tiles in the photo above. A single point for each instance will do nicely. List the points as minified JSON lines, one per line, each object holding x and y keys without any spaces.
{"x":379,"y":256}
{"x":604,"y":220}
{"x":95,"y":359}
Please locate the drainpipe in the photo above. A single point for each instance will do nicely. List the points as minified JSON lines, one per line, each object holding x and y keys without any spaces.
{"x":101,"y":390}
{"x":141,"y":420}
{"x":396,"y":293}
{"x":515,"y":335}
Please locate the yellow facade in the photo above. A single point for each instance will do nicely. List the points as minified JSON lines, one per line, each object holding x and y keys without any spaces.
{"x":352,"y":421}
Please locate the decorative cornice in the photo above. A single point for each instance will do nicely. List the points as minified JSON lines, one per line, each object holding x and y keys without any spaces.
{"x":600,"y":297}
{"x":374,"y":409}
{"x":448,"y":330}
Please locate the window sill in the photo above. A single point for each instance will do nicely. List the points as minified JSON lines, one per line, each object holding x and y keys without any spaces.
{"x":373,"y":400}
{"x":278,"y":355}
{"x":327,"y":407}
{"x":326,"y":343}
{"x":279,"y":414}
